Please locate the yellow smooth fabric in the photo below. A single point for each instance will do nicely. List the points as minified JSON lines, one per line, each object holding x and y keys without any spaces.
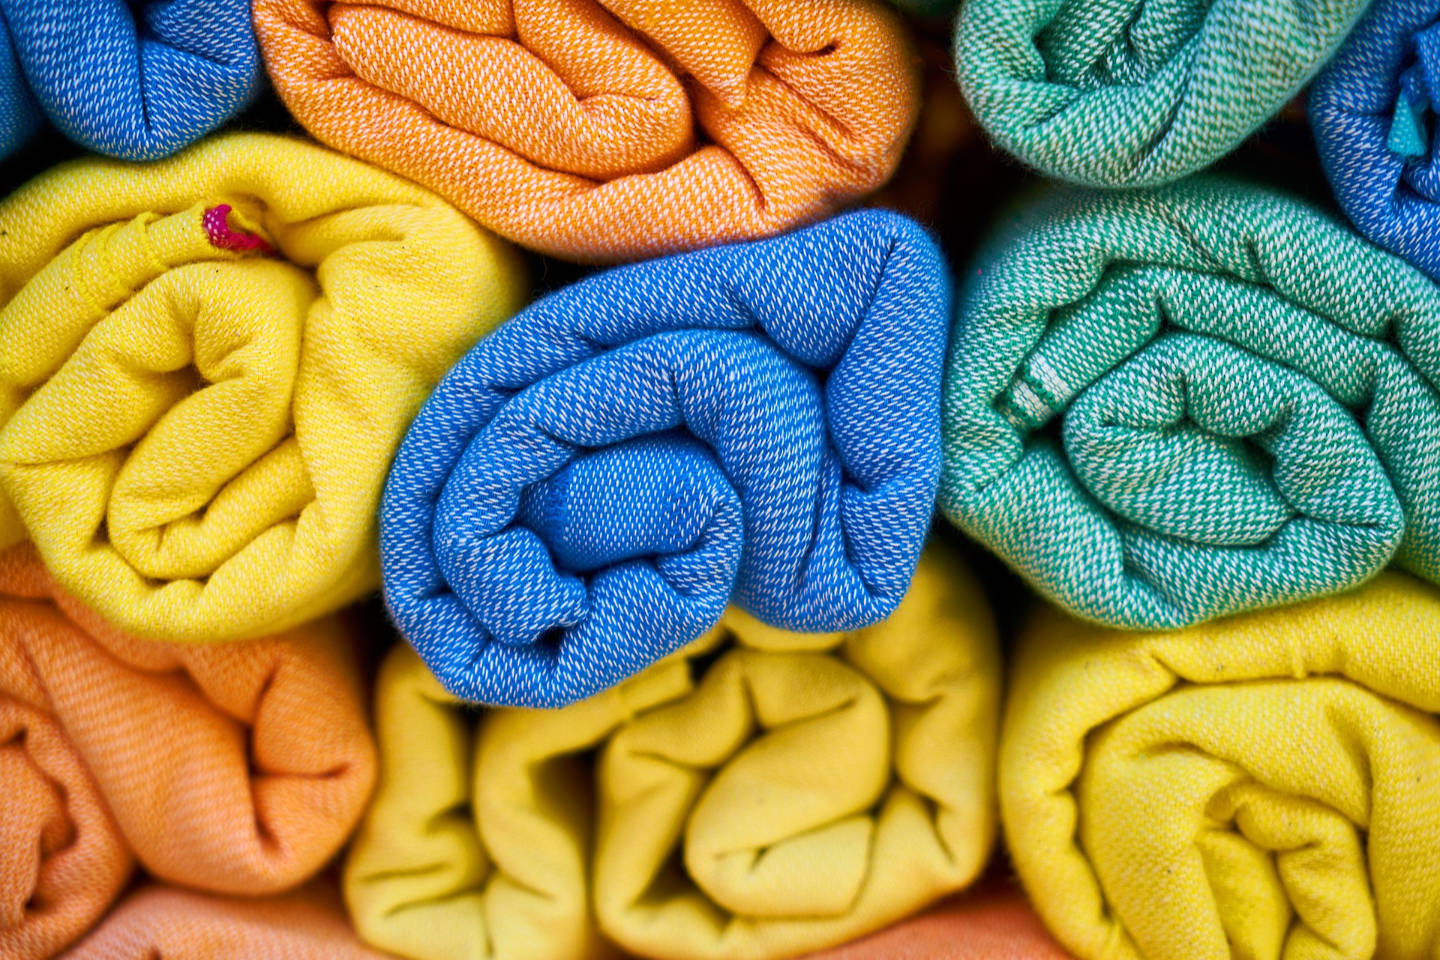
{"x":815,"y":787}
{"x":196,"y":438}
{"x":1263,"y":786}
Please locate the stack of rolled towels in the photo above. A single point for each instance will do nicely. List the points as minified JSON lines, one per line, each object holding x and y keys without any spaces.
{"x":719,"y":480}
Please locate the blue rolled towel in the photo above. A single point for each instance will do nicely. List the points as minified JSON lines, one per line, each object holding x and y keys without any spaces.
{"x":1372,"y":110}
{"x":130,"y":80}
{"x":591,"y":485}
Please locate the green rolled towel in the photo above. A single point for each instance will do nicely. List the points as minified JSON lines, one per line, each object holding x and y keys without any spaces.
{"x":1136,"y":93}
{"x":1168,"y":405}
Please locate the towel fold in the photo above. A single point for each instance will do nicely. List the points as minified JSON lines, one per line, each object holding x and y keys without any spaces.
{"x":761,"y":794}
{"x":206,"y":365}
{"x":990,"y":924}
{"x":1248,"y":394}
{"x":137,"y":81}
{"x":1372,"y":110}
{"x":239,"y":768}
{"x":611,"y":130}
{"x":162,"y":923}
{"x":591,"y":485}
{"x":1127,"y":93}
{"x":1263,"y":786}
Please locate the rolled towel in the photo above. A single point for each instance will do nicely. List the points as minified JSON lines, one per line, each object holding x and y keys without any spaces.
{"x":1371,"y":110}
{"x":161,"y":922}
{"x":762,"y":794}
{"x":605,"y":130}
{"x":239,"y":768}
{"x":1126,"y":94}
{"x":1248,"y":394}
{"x":591,"y":485}
{"x":206,"y":365}
{"x":137,"y":81}
{"x":1263,"y":786}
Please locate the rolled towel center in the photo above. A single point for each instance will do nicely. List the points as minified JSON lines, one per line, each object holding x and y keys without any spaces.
{"x":1410,"y":127}
{"x":1205,"y":442}
{"x":611,"y":520}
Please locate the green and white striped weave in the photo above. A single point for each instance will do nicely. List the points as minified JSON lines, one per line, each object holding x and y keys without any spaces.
{"x":1169,"y":405}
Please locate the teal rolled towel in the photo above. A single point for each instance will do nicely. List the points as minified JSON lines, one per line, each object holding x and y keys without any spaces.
{"x":1168,"y":405}
{"x":1127,"y":93}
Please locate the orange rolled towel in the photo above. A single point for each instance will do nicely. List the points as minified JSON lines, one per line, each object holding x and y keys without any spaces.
{"x":238,"y":768}
{"x":161,"y":922}
{"x":604,"y":130}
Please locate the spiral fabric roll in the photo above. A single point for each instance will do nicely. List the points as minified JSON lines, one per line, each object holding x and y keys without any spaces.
{"x":137,"y":81}
{"x":815,"y":787}
{"x":1130,"y":93}
{"x":1246,"y":402}
{"x":591,"y":485}
{"x":162,"y":923}
{"x":238,"y":769}
{"x":206,"y":365}
{"x":610,"y":130}
{"x":1371,"y":110}
{"x":1263,"y":786}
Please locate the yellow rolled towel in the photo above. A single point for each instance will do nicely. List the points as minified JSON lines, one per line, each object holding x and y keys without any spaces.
{"x":1261,"y":786}
{"x":757,"y":795}
{"x":206,"y":365}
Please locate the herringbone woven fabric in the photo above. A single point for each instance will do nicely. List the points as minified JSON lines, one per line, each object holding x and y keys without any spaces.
{"x":1263,"y":786}
{"x":759,"y":795}
{"x":610,"y":130}
{"x":591,"y":485}
{"x":1372,"y":111}
{"x":163,"y":923}
{"x":239,"y":768}
{"x":1127,"y":93}
{"x":206,"y":365}
{"x":137,"y":81}
{"x":1171,"y":405}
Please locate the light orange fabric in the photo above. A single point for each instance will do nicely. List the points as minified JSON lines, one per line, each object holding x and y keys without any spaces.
{"x":239,"y":768}
{"x":160,"y":923}
{"x":609,"y":130}
{"x":994,"y":924}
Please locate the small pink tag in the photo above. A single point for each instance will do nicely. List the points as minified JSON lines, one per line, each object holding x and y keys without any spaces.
{"x":222,"y":235}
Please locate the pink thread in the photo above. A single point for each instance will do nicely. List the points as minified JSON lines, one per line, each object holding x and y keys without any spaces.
{"x":217,"y":227}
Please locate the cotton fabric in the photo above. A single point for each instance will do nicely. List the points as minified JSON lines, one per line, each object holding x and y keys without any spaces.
{"x":1261,"y":786}
{"x":1129,"y":93}
{"x":992,"y":924}
{"x":612,"y":130}
{"x":206,"y":365}
{"x":137,"y":81}
{"x":815,"y":787}
{"x":590,"y":486}
{"x":238,"y":769}
{"x":1371,"y":110}
{"x":1167,"y":406}
{"x":163,"y":923}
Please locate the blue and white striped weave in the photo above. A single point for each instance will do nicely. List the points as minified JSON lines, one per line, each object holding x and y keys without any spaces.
{"x":593,"y":483}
